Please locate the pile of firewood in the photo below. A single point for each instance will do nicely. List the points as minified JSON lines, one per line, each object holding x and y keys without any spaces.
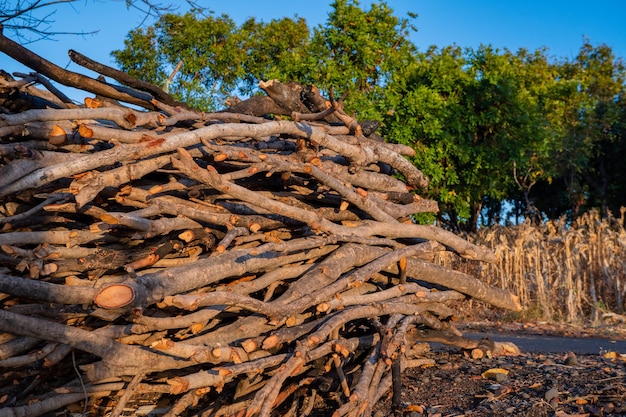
{"x":154,"y":258}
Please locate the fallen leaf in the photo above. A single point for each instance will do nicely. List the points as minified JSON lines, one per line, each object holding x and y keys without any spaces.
{"x":493,"y":373}
{"x":564,"y":414}
{"x":415,"y":408}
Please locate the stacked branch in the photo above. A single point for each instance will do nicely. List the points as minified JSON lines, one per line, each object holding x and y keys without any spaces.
{"x":243,"y":262}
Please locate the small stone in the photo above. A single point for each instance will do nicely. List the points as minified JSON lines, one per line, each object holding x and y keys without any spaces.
{"x":571,"y":359}
{"x":501,"y":378}
{"x":551,"y":394}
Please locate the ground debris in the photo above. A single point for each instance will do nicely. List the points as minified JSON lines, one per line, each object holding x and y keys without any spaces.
{"x":537,"y":385}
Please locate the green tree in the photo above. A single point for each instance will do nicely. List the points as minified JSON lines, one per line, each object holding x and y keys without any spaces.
{"x":209,"y":50}
{"x":276,"y":50}
{"x":209,"y":57}
{"x":359,"y":51}
{"x":491,"y":128}
{"x":138,"y":58}
{"x":473,"y":116}
{"x":585,"y":111}
{"x":356,"y":51}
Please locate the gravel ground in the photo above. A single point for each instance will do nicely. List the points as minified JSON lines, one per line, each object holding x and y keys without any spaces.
{"x":534,"y":385}
{"x":552,"y":383}
{"x":548,"y":383}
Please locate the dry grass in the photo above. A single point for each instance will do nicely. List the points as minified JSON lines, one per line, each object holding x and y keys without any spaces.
{"x":573,"y":273}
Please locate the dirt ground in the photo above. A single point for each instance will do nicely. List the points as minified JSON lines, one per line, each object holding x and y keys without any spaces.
{"x":530,"y":384}
{"x":535,"y":384}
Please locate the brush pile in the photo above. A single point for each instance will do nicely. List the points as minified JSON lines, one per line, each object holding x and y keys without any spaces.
{"x":154,"y":258}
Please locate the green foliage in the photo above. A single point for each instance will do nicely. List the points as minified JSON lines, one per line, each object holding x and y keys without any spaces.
{"x":138,"y":58}
{"x":208,"y":50}
{"x":590,"y":117}
{"x":217,"y":58}
{"x":356,"y":51}
{"x":359,"y":51}
{"x":493,"y":127}
{"x":275,"y":50}
{"x":473,"y":117}
{"x":489,"y":126}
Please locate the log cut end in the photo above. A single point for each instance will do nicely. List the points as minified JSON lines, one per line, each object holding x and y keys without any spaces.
{"x":115,"y":296}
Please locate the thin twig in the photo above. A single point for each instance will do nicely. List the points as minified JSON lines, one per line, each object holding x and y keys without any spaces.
{"x":128,"y":392}
{"x":82,"y":384}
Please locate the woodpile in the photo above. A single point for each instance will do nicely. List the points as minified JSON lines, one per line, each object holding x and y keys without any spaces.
{"x":244,"y":262}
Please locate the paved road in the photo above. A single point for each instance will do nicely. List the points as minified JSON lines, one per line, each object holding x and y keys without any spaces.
{"x":546,"y":344}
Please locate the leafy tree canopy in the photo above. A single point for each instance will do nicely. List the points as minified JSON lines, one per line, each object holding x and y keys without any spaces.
{"x":493,"y":129}
{"x":355,"y":51}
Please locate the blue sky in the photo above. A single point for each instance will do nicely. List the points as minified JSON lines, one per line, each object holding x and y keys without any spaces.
{"x":558,"y":25}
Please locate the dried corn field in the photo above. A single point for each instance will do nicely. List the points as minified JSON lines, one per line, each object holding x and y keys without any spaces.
{"x":566,"y":272}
